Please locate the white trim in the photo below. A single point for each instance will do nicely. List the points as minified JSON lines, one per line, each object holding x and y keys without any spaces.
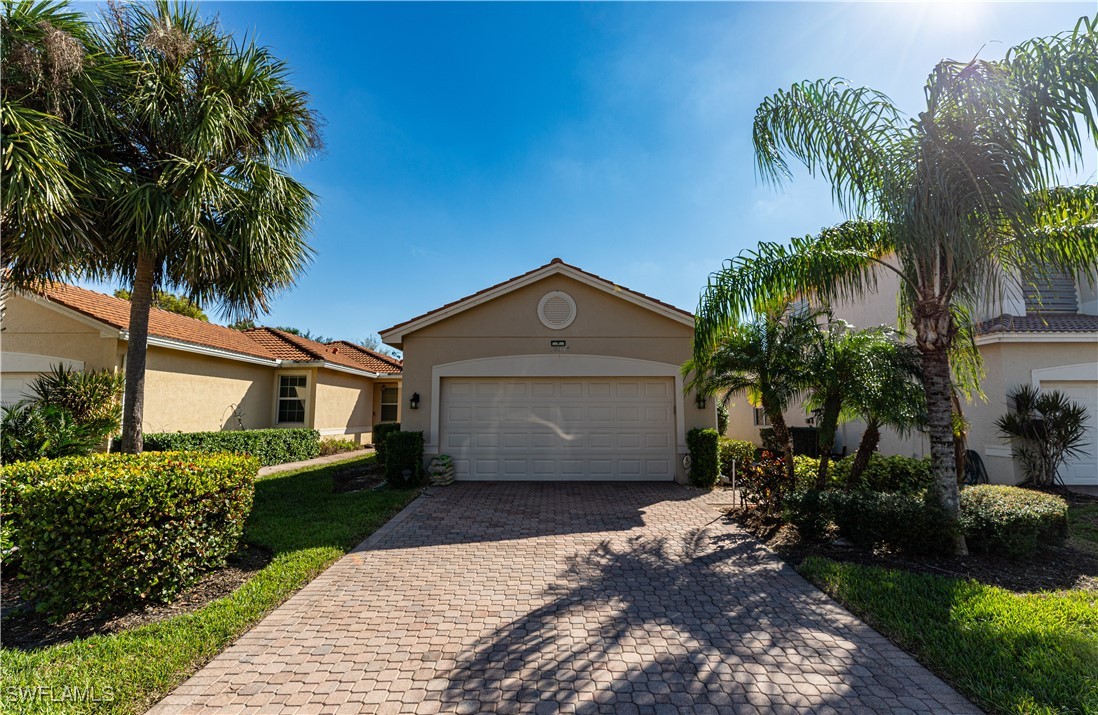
{"x":396,"y":334}
{"x":1064,"y":337}
{"x":555,"y":365}
{"x":29,"y":362}
{"x":332,"y":431}
{"x":994,"y":451}
{"x":1087,"y":371}
{"x":157,"y":341}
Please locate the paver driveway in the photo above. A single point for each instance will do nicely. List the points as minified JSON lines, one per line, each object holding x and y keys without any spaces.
{"x":549,"y":598}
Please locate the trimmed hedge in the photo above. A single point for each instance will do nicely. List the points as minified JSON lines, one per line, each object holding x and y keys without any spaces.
{"x":269,"y":446}
{"x":381,"y":431}
{"x":1010,"y":520}
{"x":404,"y":459}
{"x":705,"y":466}
{"x":123,"y":528}
{"x":906,"y":475}
{"x":903,"y":522}
{"x":735,"y":451}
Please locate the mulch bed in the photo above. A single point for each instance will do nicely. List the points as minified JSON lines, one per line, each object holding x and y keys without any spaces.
{"x":1051,"y":569}
{"x":24,"y":629}
{"x":357,"y":477}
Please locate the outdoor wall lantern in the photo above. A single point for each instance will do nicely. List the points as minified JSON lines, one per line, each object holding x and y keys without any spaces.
{"x":414,"y":402}
{"x":699,"y":400}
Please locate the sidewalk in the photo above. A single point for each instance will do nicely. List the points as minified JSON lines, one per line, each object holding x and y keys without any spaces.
{"x":316,"y":462}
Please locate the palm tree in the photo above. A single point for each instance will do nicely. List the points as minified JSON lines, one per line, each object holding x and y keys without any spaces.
{"x":200,"y":202}
{"x":955,"y":202}
{"x":886,"y":392}
{"x":764,"y":359}
{"x":849,"y":372}
{"x":52,"y":116}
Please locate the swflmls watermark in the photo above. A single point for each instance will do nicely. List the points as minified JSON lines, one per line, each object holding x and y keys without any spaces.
{"x":58,"y":694}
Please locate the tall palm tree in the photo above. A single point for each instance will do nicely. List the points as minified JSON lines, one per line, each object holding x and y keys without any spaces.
{"x":955,"y":202}
{"x":53,"y":116}
{"x":201,"y":202}
{"x":763,"y":359}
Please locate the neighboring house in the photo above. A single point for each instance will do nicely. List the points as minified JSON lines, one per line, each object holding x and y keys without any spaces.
{"x":1050,"y":343}
{"x":556,"y":374}
{"x":202,"y":376}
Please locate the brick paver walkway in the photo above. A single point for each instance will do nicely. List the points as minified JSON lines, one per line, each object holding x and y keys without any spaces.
{"x":544,"y":598}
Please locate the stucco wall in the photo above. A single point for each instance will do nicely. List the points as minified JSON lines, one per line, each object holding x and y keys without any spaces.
{"x":33,"y":328}
{"x":605,"y":325}
{"x":344,"y":405}
{"x":188,"y":392}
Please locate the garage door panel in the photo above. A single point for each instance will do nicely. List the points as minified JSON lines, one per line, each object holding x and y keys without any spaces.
{"x":1083,"y":469}
{"x":541,"y":428}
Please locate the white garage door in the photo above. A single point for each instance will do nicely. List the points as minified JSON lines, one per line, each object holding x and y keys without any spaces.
{"x":559,"y":428}
{"x":1084,"y":469}
{"x":15,"y":387}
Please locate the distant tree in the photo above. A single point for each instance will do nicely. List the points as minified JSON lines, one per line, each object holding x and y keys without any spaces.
{"x":171,"y":303}
{"x":373,"y":342}
{"x":307,"y":334}
{"x":243,"y":324}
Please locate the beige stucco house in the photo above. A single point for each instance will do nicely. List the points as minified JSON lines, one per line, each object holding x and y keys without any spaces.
{"x":202,"y":376}
{"x":556,"y":374}
{"x":1050,"y":342}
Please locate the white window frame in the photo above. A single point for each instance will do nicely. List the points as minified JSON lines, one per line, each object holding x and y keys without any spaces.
{"x":279,"y":398}
{"x":383,"y":404}
{"x":758,"y":414}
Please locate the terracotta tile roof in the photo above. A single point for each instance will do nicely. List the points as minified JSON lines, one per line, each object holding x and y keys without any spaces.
{"x":1040,"y":323}
{"x":555,"y":261}
{"x":162,"y":323}
{"x":369,"y":359}
{"x":288,"y":346}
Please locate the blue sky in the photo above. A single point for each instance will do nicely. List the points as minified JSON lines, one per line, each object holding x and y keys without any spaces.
{"x":467,"y":143}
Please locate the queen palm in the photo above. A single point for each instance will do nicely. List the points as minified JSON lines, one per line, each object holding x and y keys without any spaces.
{"x":956,"y":202}
{"x":200,"y":201}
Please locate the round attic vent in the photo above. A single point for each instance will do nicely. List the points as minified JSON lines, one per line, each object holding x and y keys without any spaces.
{"x":557,"y":310}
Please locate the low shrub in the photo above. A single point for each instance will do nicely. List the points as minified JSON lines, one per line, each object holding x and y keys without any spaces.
{"x":705,"y":466}
{"x":381,"y":431}
{"x":404,"y":459}
{"x":806,"y":441}
{"x":807,"y":510}
{"x":123,"y":528}
{"x":766,"y":483}
{"x":338,"y":446}
{"x":894,"y":473}
{"x":735,"y":451}
{"x":904,"y":522}
{"x":269,"y":446}
{"x":805,"y":469}
{"x":1010,"y":520}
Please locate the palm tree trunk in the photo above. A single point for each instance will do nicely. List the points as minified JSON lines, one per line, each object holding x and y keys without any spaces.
{"x":938,"y":386}
{"x":785,"y":437}
{"x":133,"y":406}
{"x":870,"y":439}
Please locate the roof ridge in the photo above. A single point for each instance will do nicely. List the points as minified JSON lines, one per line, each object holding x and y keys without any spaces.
{"x":395,"y":362}
{"x":287,"y":337}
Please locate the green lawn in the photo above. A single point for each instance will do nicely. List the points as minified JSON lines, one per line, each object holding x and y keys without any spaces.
{"x":296,"y":517}
{"x":1083,"y":525}
{"x":1008,"y":652}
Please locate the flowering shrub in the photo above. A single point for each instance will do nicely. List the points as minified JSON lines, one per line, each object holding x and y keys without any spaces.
{"x":123,"y":528}
{"x":765,"y":483}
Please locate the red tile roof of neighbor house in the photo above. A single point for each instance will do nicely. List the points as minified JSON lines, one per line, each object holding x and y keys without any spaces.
{"x":1040,"y":323}
{"x":268,"y":343}
{"x":555,"y":261}
{"x":288,"y":346}
{"x":372,"y":360}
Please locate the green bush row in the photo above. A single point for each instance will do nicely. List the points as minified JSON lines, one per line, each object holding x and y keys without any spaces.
{"x":123,"y":528}
{"x":1004,"y":520}
{"x":1011,"y":521}
{"x":269,"y":446}
{"x":883,"y":474}
{"x":381,"y":431}
{"x":404,"y":459}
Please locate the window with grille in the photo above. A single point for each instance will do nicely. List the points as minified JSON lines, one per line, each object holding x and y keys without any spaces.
{"x":291,"y":398}
{"x":390,"y":403}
